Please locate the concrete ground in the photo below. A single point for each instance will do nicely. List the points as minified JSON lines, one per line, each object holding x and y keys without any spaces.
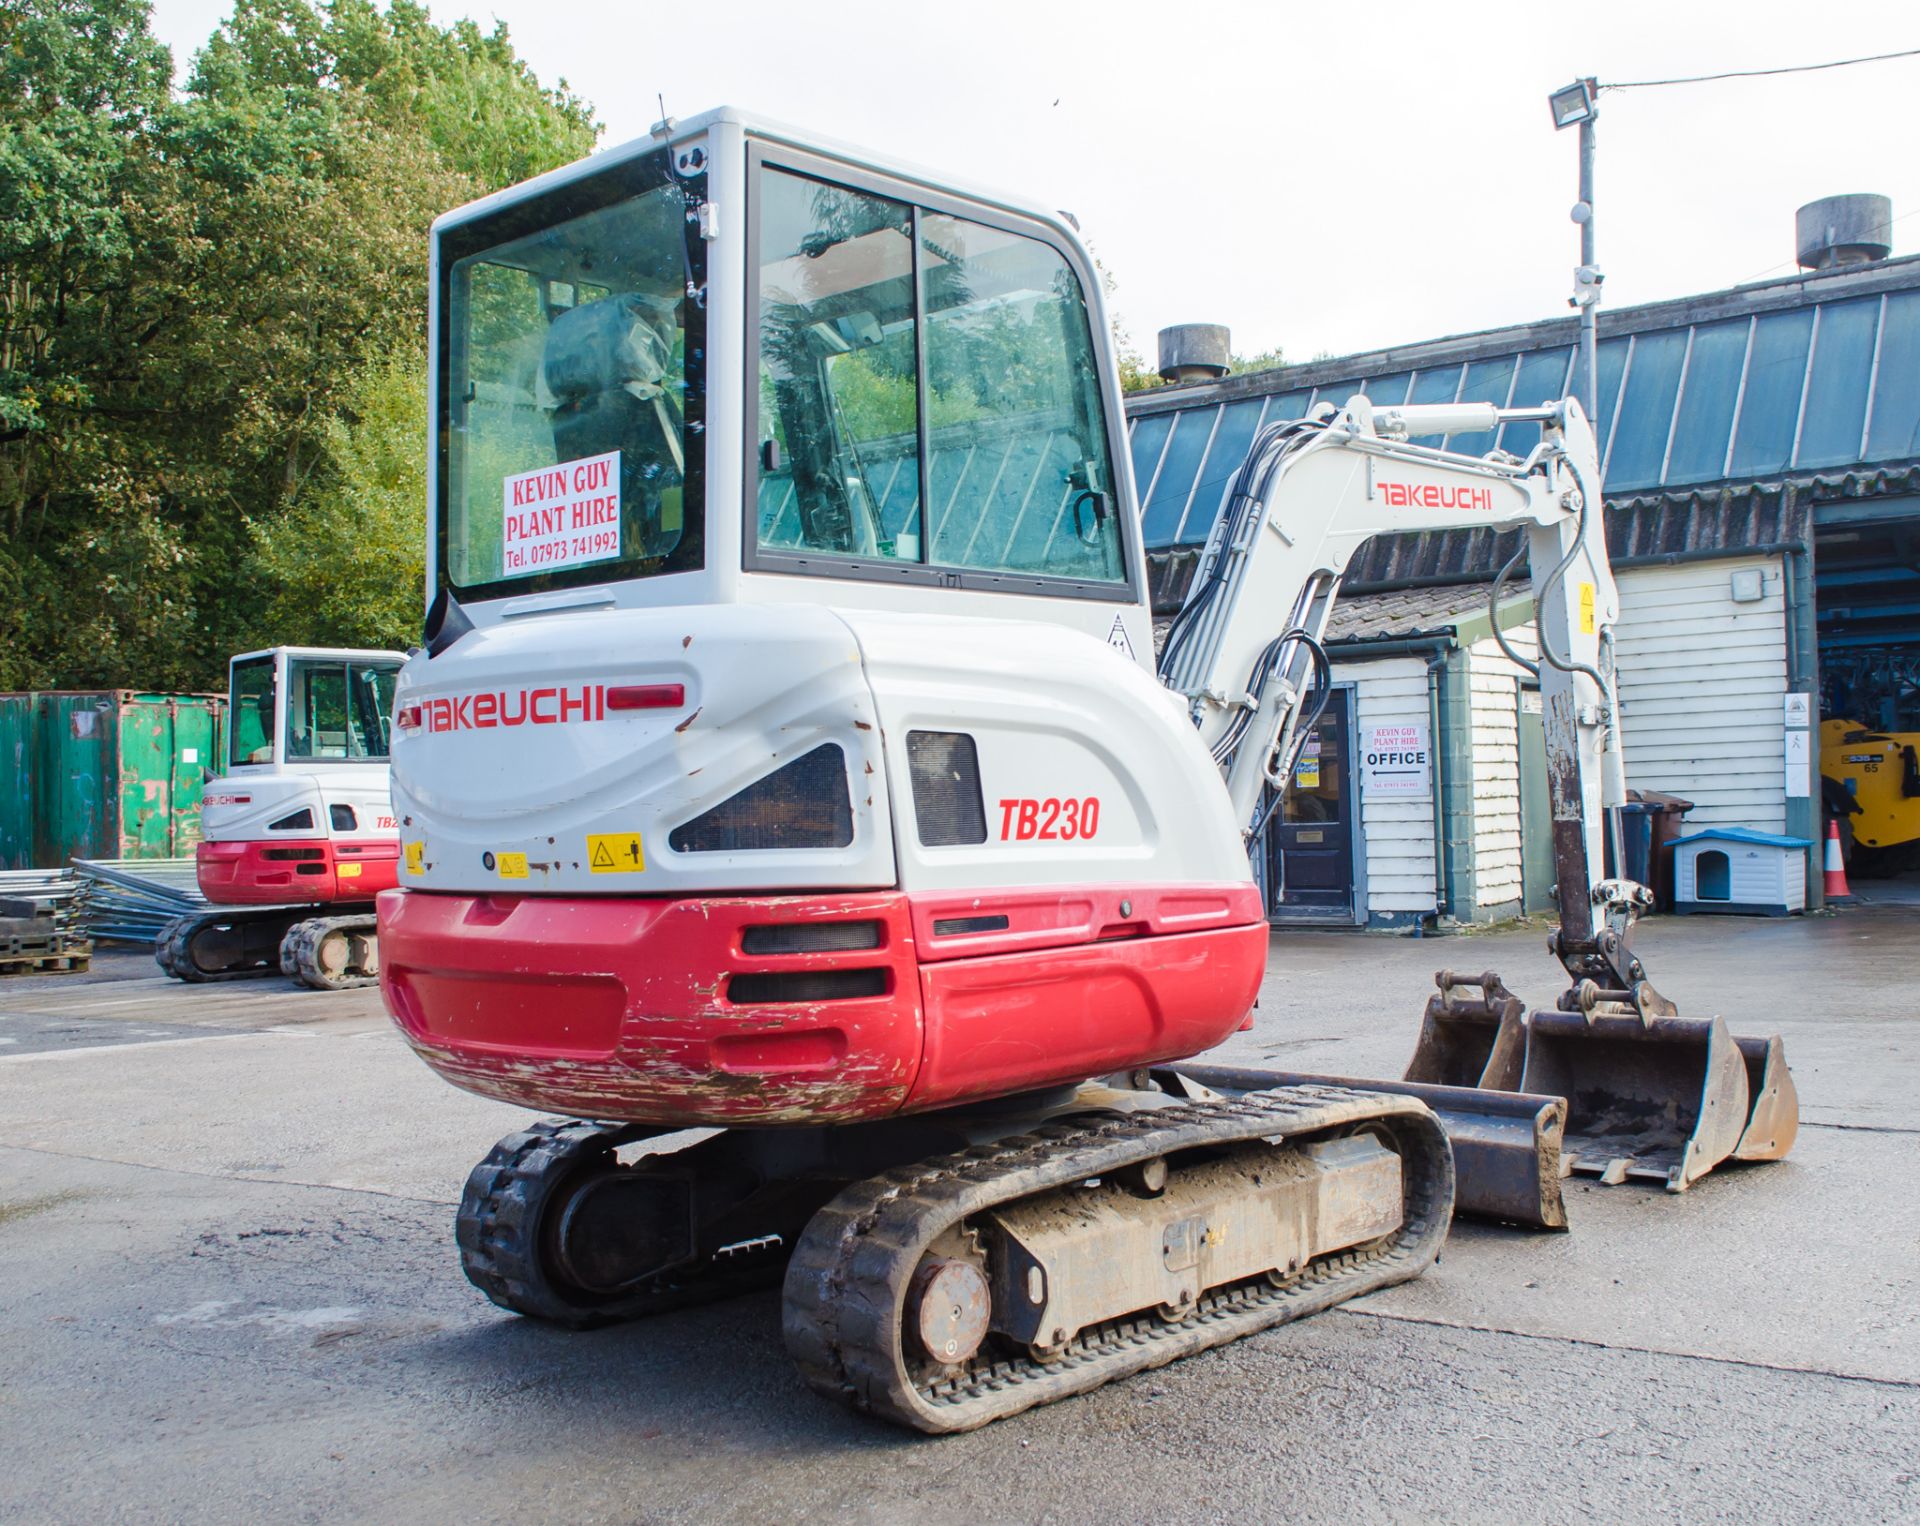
{"x":228,"y":1291}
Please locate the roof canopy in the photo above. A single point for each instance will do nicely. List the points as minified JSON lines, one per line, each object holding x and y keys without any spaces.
{"x":1815,"y":375}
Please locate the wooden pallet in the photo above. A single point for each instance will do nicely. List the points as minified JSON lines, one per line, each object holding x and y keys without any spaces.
{"x":45,"y":956}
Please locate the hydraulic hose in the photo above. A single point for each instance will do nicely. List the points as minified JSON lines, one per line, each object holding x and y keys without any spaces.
{"x":1493,"y":611}
{"x":1270,"y":447}
{"x":1547,"y":653}
{"x":1616,"y":827}
{"x":1322,"y":692}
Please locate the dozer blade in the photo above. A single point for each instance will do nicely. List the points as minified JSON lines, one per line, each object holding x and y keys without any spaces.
{"x":1470,"y":1041}
{"x":1506,"y":1145}
{"x":1773,"y":1114}
{"x":1660,"y":1099}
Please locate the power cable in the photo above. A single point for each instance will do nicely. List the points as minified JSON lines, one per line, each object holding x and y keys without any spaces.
{"x":1705,"y":79}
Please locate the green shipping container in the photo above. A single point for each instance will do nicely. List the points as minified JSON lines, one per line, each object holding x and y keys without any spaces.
{"x":114,"y":773}
{"x":16,"y":781}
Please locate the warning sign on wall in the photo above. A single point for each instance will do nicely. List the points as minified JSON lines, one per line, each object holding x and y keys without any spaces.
{"x":561,"y":516}
{"x":1395,"y":761}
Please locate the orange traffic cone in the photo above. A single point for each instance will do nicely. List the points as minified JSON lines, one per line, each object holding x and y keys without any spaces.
{"x":1836,"y":870}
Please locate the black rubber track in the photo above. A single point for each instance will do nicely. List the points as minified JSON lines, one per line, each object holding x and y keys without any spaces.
{"x":163,"y":947}
{"x":846,"y":1285}
{"x":173,"y":945}
{"x":503,"y":1228}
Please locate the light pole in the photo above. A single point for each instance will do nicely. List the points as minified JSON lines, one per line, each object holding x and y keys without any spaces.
{"x":1573,"y":106}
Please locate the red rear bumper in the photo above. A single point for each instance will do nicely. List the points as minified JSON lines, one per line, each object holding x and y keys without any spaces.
{"x":302,"y":870}
{"x":810,"y":1009}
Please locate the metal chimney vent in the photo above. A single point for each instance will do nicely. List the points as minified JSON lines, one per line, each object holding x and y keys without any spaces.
{"x":1843,"y":230}
{"x":1195,"y":352}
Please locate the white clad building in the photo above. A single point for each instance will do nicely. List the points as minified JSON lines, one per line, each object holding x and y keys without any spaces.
{"x":1761,"y":468}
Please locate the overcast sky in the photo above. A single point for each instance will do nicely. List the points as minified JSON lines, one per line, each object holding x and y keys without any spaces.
{"x":1322,"y":178}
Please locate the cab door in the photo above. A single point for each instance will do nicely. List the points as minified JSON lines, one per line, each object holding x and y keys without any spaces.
{"x":1310,"y":842}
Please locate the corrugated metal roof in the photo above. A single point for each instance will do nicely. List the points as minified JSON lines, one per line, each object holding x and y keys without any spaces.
{"x":1398,"y":615}
{"x":1785,"y":379}
{"x":1410,"y":612}
{"x":1730,"y":519}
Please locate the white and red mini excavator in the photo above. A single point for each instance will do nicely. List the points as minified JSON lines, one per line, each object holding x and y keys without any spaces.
{"x":787,"y":793}
{"x":298,"y":834}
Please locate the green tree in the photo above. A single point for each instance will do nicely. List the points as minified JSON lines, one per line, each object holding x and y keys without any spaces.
{"x":367,"y":513}
{"x":82,"y":89}
{"x":207,"y":302}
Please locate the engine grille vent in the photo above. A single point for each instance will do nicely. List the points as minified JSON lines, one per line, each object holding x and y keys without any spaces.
{"x":293,"y":821}
{"x":948,"y":809}
{"x":953,"y":927}
{"x":805,"y":985}
{"x":810,"y":937}
{"x":802,"y":805}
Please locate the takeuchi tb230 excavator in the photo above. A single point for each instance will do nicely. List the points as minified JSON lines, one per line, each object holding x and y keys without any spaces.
{"x":298,"y":834}
{"x":787,"y":793}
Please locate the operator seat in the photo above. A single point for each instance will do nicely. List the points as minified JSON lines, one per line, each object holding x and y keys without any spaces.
{"x":606,"y":365}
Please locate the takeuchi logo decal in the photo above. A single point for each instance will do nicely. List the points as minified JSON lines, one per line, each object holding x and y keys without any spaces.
{"x":1429,"y":495}
{"x":515,"y":707}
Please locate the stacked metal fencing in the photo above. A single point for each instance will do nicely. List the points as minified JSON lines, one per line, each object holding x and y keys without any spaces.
{"x":129,"y":900}
{"x":42,"y":925}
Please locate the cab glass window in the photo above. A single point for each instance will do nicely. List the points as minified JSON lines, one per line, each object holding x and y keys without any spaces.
{"x":571,"y":377}
{"x":1020,"y":481}
{"x":317,"y":710}
{"x":370,"y":694}
{"x":928,"y":393}
{"x":338,"y":710}
{"x":839,"y":411}
{"x":250,"y":712}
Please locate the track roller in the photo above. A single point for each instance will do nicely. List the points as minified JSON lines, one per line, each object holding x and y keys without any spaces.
{"x":332,"y":953}
{"x":508,"y":1214}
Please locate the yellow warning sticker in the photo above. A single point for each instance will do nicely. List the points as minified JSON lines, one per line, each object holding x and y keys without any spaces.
{"x":1586,"y":609}
{"x":615,"y":853}
{"x":348,"y":871}
{"x":513,"y":866}
{"x":416,"y":858}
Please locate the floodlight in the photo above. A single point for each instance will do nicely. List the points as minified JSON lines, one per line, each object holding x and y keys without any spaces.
{"x":1573,"y":104}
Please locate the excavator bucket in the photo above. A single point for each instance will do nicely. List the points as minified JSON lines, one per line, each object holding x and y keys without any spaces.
{"x":1657,"y":1098}
{"x":1773,"y":1116}
{"x":1470,"y":1040}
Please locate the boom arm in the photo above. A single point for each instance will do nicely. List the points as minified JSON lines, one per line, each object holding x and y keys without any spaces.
{"x":1245,"y":648}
